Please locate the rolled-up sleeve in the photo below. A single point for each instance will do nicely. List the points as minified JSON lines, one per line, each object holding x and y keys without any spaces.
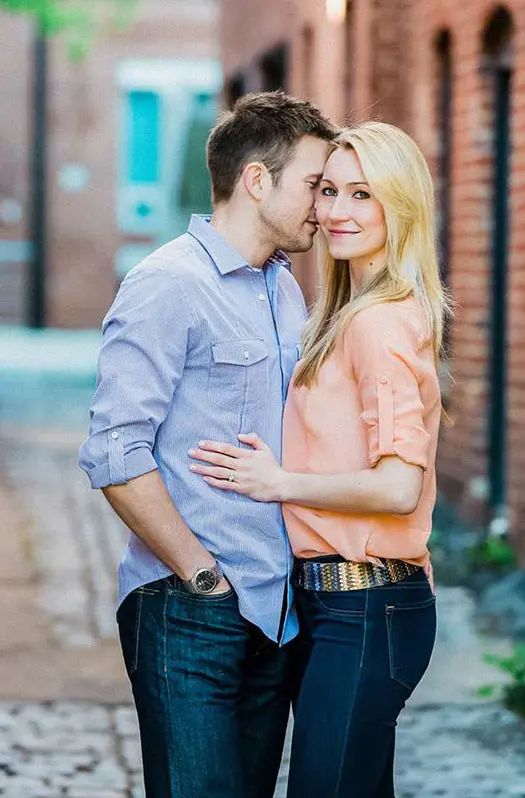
{"x":144,"y":345}
{"x":382,"y":346}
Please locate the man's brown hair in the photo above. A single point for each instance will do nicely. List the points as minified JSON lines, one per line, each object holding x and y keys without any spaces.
{"x":265,"y":127}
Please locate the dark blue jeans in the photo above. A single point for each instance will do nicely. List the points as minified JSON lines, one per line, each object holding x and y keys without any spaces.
{"x":365,"y":652}
{"x":212,"y":694}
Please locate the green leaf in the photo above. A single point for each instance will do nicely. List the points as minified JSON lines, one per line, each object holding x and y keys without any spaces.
{"x":78,"y":19}
{"x":486,"y":690}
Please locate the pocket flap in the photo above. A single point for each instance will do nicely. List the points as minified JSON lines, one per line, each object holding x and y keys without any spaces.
{"x":239,"y":352}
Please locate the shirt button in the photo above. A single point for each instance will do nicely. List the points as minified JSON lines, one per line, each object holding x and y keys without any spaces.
{"x":114,"y":435}
{"x":261,"y":297}
{"x":246,"y":355}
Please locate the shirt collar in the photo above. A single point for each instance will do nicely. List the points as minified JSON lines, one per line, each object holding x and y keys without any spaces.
{"x":225,"y":257}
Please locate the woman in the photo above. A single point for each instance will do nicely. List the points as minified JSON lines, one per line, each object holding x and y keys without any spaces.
{"x":358,"y":477}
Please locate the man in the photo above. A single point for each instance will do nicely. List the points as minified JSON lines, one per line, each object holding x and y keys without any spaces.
{"x":201,"y":341}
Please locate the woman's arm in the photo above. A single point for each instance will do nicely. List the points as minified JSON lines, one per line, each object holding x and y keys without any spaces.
{"x":392,"y":486}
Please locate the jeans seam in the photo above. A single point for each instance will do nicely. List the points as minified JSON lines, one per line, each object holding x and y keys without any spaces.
{"x":165,"y":670}
{"x":364,"y":632}
{"x":363,"y":647}
{"x":135,"y":662}
{"x":389,"y":633}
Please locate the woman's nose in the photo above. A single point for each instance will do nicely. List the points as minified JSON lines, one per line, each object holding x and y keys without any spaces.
{"x":339,"y":209}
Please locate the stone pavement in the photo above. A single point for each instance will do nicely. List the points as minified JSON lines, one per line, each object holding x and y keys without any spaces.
{"x":67,"y":727}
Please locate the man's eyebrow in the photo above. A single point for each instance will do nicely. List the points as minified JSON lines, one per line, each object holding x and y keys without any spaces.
{"x":316,"y":176}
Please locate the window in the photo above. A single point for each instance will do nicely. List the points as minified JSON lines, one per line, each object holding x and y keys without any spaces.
{"x":497,"y":68}
{"x":308,"y":60}
{"x":194,"y":194}
{"x":349,"y":75}
{"x":444,"y":172}
{"x":167,"y":108}
{"x":274,"y":69}
{"x":143,"y":137}
{"x":236,"y":88}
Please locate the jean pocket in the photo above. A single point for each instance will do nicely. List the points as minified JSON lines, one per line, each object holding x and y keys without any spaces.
{"x":347,"y":603}
{"x":128,"y":618}
{"x":174,"y":588}
{"x":411,"y":629}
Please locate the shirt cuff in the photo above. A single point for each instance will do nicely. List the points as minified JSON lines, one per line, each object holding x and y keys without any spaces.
{"x":411,"y":444}
{"x":137,"y":462}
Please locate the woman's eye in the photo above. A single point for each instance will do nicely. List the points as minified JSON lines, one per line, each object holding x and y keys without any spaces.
{"x":328,"y":192}
{"x":360,"y":195}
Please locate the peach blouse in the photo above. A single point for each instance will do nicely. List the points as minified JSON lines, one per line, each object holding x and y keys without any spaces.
{"x":377,"y":394}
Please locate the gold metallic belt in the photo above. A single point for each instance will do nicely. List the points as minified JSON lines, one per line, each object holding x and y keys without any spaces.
{"x":327,"y":576}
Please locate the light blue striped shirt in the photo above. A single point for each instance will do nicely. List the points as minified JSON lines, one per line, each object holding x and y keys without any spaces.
{"x":198,"y":344}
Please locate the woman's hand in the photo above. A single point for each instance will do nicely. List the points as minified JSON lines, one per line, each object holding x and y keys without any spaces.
{"x":253,"y":472}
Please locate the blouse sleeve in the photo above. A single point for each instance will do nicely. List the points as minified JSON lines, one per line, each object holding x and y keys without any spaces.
{"x":382,"y":347}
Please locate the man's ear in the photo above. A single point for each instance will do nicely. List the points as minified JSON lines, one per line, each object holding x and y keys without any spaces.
{"x":257,"y":180}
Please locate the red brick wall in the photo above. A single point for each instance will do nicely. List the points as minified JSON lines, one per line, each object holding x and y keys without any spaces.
{"x":395,"y":77}
{"x":247,"y":30}
{"x":464,"y":451}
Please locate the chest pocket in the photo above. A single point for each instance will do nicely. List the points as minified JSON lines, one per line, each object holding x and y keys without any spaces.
{"x":238,"y":377}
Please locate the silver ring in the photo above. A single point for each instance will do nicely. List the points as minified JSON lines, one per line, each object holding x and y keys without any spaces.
{"x":231,"y":476}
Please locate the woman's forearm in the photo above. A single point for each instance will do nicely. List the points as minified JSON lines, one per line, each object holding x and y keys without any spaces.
{"x":391,"y":487}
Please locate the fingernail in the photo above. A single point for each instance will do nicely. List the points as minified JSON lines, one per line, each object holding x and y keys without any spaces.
{"x":192,"y":451}
{"x":193,"y":467}
{"x":202,"y":444}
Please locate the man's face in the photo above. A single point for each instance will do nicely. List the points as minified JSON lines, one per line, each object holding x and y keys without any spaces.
{"x":288,"y":212}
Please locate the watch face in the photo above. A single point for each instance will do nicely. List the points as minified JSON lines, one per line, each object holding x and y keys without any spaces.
{"x":205,"y":581}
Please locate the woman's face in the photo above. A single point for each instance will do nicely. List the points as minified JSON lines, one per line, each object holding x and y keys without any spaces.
{"x":350,"y":217}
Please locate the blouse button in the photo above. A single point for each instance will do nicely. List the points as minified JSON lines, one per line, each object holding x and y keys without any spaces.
{"x":114,"y":435}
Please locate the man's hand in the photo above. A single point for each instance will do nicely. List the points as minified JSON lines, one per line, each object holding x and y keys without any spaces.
{"x":223,"y":587}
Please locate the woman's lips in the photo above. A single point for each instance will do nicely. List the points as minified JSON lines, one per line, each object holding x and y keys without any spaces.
{"x":343,"y":232}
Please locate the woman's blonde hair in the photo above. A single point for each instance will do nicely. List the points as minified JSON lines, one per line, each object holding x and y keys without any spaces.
{"x":399,"y":178}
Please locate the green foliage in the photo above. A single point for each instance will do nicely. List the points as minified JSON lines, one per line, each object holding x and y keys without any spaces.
{"x":487,"y":691}
{"x":77,"y":19}
{"x":494,"y":552}
{"x":513,"y":694}
{"x":436,"y":536}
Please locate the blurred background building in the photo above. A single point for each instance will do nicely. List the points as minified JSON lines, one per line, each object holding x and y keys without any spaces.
{"x":453,"y":75}
{"x":101,"y":160}
{"x":125,"y":126}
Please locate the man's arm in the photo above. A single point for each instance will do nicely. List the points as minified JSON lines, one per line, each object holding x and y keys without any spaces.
{"x":146,"y":507}
{"x":146,"y":337}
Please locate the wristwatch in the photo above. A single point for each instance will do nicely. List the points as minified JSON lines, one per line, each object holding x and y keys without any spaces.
{"x":204,"y":580}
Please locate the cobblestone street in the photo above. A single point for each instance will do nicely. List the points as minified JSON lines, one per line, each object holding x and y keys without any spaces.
{"x":67,"y":727}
